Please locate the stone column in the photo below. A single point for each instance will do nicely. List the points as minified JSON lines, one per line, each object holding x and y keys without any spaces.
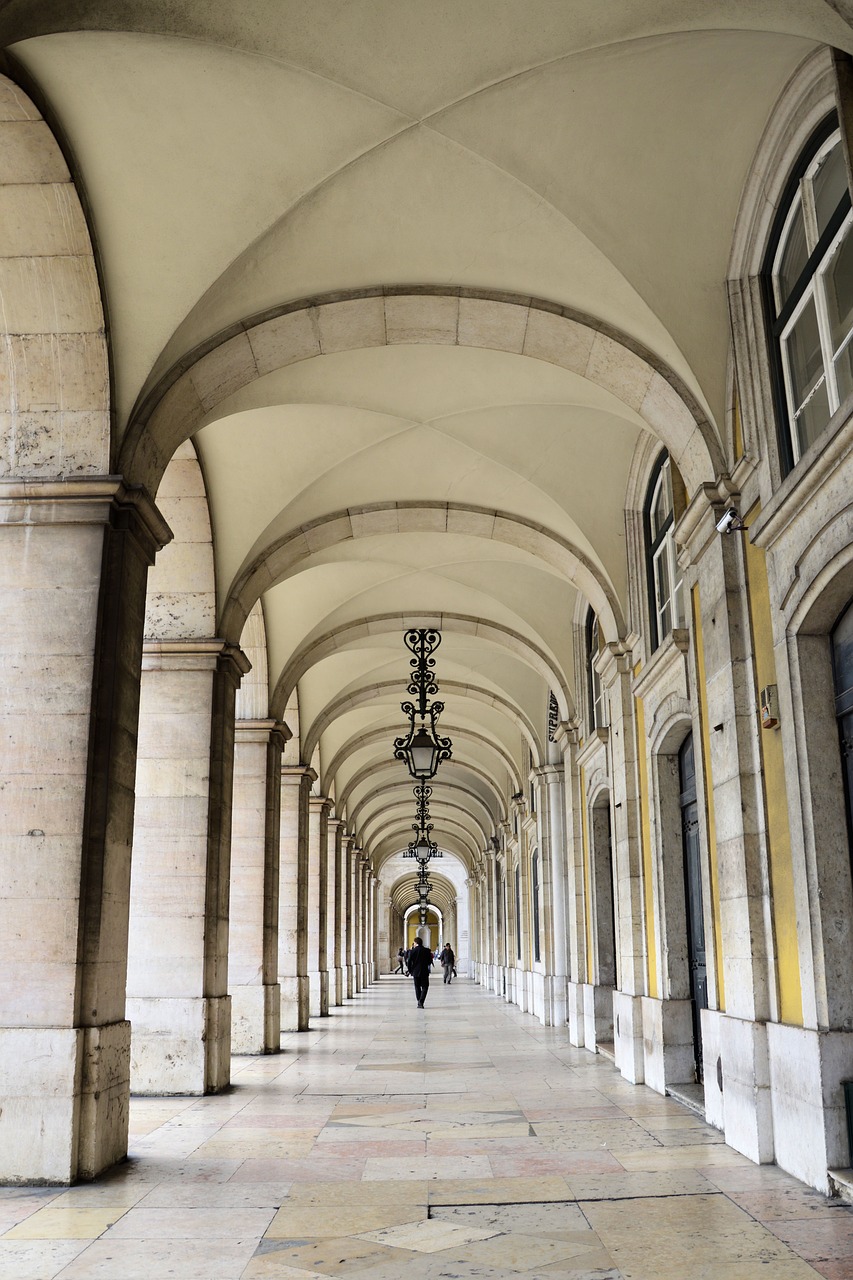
{"x":355,"y":920}
{"x":177,"y":980}
{"x":374,"y":930}
{"x":714,"y":570}
{"x":73,"y":570}
{"x":318,"y":975}
{"x":253,"y":932}
{"x":296,"y":783}
{"x":350,"y":987}
{"x":552,"y":842}
{"x":363,"y":921}
{"x":614,"y":665}
{"x":566,"y":738}
{"x":334,"y":912}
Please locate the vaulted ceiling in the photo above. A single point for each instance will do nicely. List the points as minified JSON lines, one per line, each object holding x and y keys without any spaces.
{"x":242,"y":160}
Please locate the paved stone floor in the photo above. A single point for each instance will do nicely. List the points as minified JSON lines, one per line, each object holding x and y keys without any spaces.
{"x":464,"y":1140}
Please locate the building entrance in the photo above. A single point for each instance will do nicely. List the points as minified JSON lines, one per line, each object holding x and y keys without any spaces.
{"x":693,"y":893}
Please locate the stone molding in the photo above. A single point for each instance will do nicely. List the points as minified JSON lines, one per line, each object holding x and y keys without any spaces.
{"x":395,"y":315}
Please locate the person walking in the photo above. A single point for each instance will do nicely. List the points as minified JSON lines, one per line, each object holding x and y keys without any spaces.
{"x":420,"y":959}
{"x":401,"y":961}
{"x":448,"y":962}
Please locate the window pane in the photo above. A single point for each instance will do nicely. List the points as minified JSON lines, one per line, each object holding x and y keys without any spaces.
{"x":812,"y":419}
{"x":838,"y":286}
{"x":792,"y":258}
{"x":663,"y":591}
{"x":661,"y":501}
{"x":829,"y":185}
{"x":805,"y":359}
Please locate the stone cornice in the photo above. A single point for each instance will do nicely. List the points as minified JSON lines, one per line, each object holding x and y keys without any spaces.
{"x":597,"y":741}
{"x":261,"y":730}
{"x":697,"y":527}
{"x":195,"y":655}
{"x":85,"y":500}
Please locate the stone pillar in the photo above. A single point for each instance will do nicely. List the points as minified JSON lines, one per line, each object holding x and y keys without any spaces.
{"x":714,"y":571}
{"x":355,"y":924}
{"x":552,"y":842}
{"x":566,"y":738}
{"x":177,"y":980}
{"x":334,"y":911}
{"x":296,"y":783}
{"x":349,"y":917}
{"x":73,"y":570}
{"x":253,"y":932}
{"x":318,"y":974}
{"x":363,"y":921}
{"x":374,"y":931}
{"x":614,"y":665}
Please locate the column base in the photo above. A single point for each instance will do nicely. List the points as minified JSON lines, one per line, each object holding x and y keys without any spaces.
{"x":745,"y":1070}
{"x":574,"y":1001}
{"x":324,"y":993}
{"x":669,"y":1054}
{"x":597,"y":1016}
{"x":339,"y":985}
{"x":315,"y":998}
{"x":65,"y":1110}
{"x":365,"y":977}
{"x":350,"y":981}
{"x":628,"y":1036}
{"x":809,"y":1118}
{"x":557,"y":999}
{"x":180,"y":1045}
{"x":289,"y":988}
{"x":256,"y":1019}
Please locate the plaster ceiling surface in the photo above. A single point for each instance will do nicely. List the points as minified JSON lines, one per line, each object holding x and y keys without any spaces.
{"x":237,"y":159}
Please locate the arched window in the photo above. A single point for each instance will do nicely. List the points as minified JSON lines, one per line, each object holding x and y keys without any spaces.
{"x":808,"y":291}
{"x":518,"y":912}
{"x":535,"y":878}
{"x":597,"y":700}
{"x":666,"y":595}
{"x":842,"y":668}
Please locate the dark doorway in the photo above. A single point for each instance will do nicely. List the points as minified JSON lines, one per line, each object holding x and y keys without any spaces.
{"x":693,"y":894}
{"x":842,"y":670}
{"x":605,"y":907}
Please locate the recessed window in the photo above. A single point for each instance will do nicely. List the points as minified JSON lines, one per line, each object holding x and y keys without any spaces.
{"x":809,"y":294}
{"x":666,"y":593}
{"x":597,"y":699}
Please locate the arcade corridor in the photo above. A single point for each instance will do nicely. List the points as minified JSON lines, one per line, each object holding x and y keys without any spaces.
{"x":464,"y":1141}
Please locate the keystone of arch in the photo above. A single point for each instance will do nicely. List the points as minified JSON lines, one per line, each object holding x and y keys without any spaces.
{"x":396,"y":315}
{"x":458,"y":734}
{"x":386,"y":623}
{"x":283,"y":558}
{"x":350,"y":701}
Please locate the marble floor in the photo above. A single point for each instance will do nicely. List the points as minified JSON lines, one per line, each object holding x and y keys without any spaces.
{"x":462,"y":1140}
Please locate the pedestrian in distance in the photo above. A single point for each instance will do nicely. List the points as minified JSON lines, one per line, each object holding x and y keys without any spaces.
{"x":448,"y":962}
{"x":401,"y":961}
{"x":420,"y":959}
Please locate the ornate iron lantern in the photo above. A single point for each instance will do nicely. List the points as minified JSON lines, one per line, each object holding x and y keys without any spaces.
{"x":423,"y":748}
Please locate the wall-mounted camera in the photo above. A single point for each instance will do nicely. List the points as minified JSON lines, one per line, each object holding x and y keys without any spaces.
{"x":730,"y":522}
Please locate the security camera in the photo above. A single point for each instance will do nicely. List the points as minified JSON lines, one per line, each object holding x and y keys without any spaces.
{"x":730,"y":521}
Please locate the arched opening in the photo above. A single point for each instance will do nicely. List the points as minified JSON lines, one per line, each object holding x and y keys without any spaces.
{"x":694,"y":911}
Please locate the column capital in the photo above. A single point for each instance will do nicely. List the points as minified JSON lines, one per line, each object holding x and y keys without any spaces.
{"x":260,"y":731}
{"x":549,"y":774}
{"x":615,"y":660}
{"x":297,"y":773}
{"x":696,"y":530}
{"x":336,"y":823}
{"x":86,"y":500}
{"x":567,"y":734}
{"x":195,"y":655}
{"x":319,"y":802}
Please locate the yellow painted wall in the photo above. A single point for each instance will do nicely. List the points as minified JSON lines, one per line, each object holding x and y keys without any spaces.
{"x":646,"y":844}
{"x":414,"y":925}
{"x":702,"y":699}
{"x":775,"y":795}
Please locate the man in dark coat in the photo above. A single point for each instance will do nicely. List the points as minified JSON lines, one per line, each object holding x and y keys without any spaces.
{"x":420,"y":959}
